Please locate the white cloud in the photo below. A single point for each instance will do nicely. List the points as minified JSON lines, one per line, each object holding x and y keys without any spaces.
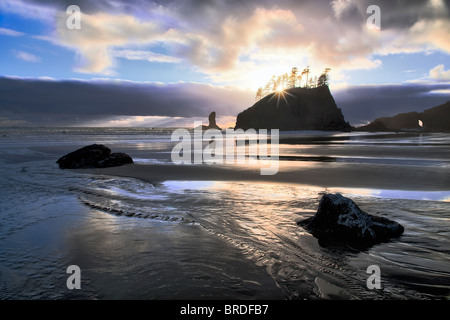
{"x":445,"y":92}
{"x":28,"y":10}
{"x":144,"y":55}
{"x":100,"y":34}
{"x":28,"y":57}
{"x":11,"y":33}
{"x":439,"y":73}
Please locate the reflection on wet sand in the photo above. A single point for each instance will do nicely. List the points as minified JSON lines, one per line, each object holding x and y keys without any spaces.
{"x":259,"y":218}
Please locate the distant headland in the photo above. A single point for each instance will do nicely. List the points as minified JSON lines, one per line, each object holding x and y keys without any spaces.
{"x":431,"y":120}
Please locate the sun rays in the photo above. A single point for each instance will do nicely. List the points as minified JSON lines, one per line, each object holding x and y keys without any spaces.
{"x":281,"y":93}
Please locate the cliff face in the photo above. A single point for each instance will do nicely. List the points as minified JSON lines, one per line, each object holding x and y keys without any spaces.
{"x":433,"y":120}
{"x":294,"y":109}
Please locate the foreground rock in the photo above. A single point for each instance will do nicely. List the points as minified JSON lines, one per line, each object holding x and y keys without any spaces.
{"x":339,"y":218}
{"x":114,"y":160}
{"x":93,"y":156}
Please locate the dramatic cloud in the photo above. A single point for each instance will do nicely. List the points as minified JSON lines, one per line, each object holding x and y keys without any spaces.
{"x":239,"y":39}
{"x":433,"y":34}
{"x":49,"y":102}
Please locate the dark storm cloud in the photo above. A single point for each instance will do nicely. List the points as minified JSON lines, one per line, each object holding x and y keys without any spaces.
{"x":72,"y":102}
{"x":394,"y":14}
{"x":43,"y":102}
{"x":398,"y":13}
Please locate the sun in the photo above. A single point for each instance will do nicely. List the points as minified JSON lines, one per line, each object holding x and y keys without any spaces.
{"x":280,"y":89}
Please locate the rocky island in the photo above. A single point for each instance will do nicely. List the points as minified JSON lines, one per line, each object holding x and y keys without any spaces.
{"x":295,"y":109}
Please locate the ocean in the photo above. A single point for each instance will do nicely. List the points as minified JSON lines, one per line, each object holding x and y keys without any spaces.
{"x":214,"y":238}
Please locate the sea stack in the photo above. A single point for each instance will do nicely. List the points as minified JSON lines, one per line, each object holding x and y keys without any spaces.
{"x":295,"y":109}
{"x":212,"y":122}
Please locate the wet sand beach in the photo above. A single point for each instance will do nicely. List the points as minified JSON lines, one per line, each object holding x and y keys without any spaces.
{"x":156,"y":230}
{"x":315,"y":173}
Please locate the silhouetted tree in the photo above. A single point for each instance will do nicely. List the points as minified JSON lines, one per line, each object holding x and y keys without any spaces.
{"x":293,"y":78}
{"x":259,"y":94}
{"x":266,"y":90}
{"x":299,"y":80}
{"x":323,"y":79}
{"x":273,"y":83}
{"x":278,"y":82}
{"x":306,"y":71}
{"x":285,"y":80}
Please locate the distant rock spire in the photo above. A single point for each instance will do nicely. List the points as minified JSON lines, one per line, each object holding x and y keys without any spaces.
{"x":212,"y":122}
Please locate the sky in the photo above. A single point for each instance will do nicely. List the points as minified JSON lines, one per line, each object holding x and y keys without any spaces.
{"x":170,"y":63}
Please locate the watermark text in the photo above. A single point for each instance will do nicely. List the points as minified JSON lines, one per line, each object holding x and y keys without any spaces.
{"x":235,"y":146}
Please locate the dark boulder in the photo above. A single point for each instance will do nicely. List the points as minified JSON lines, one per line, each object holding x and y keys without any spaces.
{"x":93,"y":156}
{"x":339,"y":218}
{"x":86,"y":157}
{"x":114,"y":160}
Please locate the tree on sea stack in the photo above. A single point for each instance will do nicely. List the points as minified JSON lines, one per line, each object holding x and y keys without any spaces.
{"x":293,"y":80}
{"x":306,"y":71}
{"x":259,"y":94}
{"x":323,"y":79}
